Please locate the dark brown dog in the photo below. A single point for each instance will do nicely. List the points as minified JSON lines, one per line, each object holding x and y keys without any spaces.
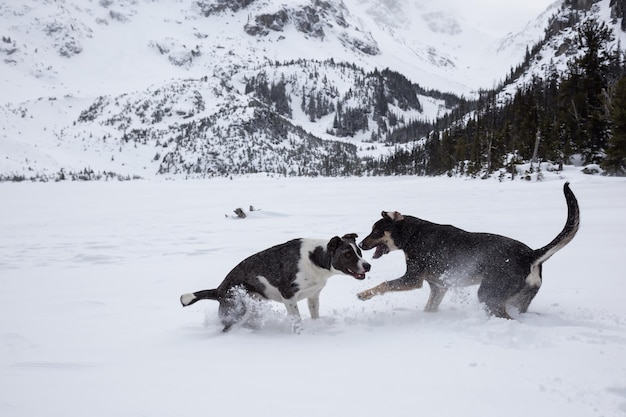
{"x":508,"y":271}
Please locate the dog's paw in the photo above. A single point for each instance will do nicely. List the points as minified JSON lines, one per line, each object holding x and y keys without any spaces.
{"x":297,"y":328}
{"x":365,"y":295}
{"x":296,"y":324}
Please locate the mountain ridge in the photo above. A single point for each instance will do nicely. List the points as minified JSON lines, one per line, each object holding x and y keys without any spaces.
{"x":71,"y":131}
{"x":186,"y":41}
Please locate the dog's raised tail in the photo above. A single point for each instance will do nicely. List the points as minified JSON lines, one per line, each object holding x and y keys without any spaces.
{"x":190,"y":298}
{"x":568,"y":232}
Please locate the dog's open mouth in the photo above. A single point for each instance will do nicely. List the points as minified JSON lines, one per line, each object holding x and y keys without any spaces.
{"x":381,"y":250}
{"x":356,"y":274}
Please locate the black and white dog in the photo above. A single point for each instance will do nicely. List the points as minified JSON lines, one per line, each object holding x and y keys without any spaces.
{"x":508,"y":271}
{"x":287,"y":273}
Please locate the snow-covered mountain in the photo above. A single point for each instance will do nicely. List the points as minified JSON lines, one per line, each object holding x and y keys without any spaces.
{"x":558,"y":46}
{"x":116,"y":46}
{"x":217,"y":87}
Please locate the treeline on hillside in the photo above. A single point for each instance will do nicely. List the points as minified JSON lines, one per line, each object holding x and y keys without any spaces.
{"x":378,"y":101}
{"x":579,"y":112}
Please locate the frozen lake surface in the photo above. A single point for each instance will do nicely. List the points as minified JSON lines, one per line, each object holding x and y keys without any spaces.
{"x":90,"y":322}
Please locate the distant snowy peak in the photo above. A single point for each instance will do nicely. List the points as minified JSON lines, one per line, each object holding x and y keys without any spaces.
{"x":317,"y":19}
{"x":412,"y":16}
{"x":71,"y":47}
{"x":532,"y":33}
{"x":312,"y":19}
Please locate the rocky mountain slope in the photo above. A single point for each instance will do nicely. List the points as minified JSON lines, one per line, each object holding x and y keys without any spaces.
{"x":220,"y":87}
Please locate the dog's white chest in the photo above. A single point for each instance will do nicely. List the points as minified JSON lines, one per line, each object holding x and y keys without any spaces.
{"x":309,"y":280}
{"x":309,"y":284}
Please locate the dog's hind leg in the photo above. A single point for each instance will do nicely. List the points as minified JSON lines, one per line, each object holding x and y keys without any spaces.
{"x":532,"y":284}
{"x":437,"y":292}
{"x":524,"y":298}
{"x":494,"y":303}
{"x":294,"y":313}
{"x":233,"y":310}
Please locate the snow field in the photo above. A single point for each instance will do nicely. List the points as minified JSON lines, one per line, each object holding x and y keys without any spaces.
{"x":90,"y":323}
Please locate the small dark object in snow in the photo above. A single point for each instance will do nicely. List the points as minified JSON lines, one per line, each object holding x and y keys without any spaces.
{"x":240,"y":213}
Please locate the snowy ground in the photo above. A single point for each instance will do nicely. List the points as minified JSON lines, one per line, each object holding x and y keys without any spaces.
{"x":90,"y":323}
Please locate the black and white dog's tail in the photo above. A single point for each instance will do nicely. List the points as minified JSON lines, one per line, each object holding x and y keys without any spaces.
{"x":190,"y":298}
{"x":568,"y":232}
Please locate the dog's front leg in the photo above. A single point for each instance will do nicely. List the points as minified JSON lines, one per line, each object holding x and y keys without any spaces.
{"x":314,"y":305}
{"x":294,"y":313}
{"x":377,"y":290}
{"x":404,"y":283}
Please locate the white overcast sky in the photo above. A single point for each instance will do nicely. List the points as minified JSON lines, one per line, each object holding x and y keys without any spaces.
{"x":501,"y":16}
{"x":497,"y":17}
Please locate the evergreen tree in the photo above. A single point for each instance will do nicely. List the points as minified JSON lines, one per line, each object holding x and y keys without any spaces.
{"x":615,"y":163}
{"x":594,"y":64}
{"x":311,"y":108}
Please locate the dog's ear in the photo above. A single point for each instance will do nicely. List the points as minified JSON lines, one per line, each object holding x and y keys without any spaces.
{"x":351,"y":236}
{"x":333,"y":244}
{"x":393,"y":215}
